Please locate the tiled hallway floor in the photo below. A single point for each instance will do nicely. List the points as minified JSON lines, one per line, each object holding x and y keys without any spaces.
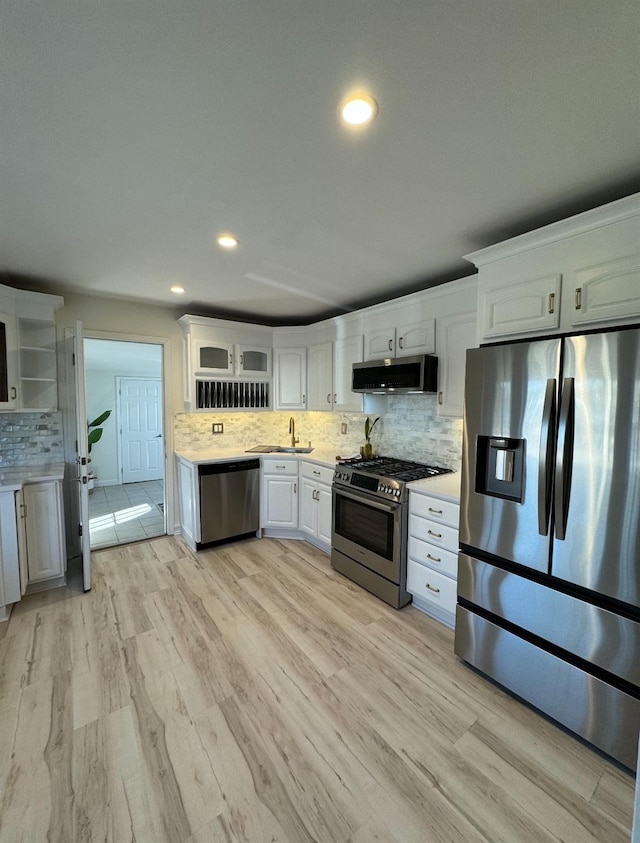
{"x":127,"y":513}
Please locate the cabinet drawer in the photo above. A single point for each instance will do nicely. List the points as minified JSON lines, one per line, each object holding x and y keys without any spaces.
{"x":443,"y":561}
{"x":319,"y":473}
{"x":431,"y":587}
{"x":437,"y":534}
{"x":279,"y":466}
{"x":435,"y":509}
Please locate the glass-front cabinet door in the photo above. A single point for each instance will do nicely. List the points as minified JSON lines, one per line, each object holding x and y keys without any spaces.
{"x":8,"y":362}
{"x":214,"y":358}
{"x":253,"y":362}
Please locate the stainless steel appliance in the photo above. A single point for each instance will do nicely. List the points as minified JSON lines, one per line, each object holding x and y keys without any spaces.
{"x":229,"y":499}
{"x":549,"y":569}
{"x":369,"y":531}
{"x":418,"y":373}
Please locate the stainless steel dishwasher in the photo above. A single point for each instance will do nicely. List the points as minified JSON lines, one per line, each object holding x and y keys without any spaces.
{"x":229,"y":499}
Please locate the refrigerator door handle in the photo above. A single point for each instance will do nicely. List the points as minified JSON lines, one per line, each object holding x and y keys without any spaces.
{"x":564,"y":457}
{"x":545,"y":460}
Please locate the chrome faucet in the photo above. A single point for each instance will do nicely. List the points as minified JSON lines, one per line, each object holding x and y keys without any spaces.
{"x":292,"y":431}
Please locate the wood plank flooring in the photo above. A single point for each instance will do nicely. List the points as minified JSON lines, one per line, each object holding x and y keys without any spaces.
{"x":250,"y":693}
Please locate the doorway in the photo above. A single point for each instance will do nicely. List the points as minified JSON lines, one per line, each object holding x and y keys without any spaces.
{"x":127,"y":488}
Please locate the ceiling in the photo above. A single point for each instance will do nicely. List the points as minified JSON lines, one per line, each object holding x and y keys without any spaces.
{"x":133,"y":131}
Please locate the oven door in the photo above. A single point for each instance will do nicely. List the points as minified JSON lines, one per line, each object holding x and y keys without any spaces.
{"x":369,"y":531}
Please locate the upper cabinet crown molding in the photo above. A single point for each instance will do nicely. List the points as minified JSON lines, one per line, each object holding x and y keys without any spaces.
{"x":614,"y":212}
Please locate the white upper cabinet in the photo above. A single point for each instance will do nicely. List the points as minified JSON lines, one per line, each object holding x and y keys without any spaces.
{"x":455,"y":335}
{"x":217,"y":352}
{"x":28,"y":366}
{"x":290,"y":385}
{"x":530,"y":306}
{"x":583,"y":271}
{"x":8,"y":362}
{"x":389,"y":333}
{"x":606,"y":292}
{"x":348,"y":351}
{"x":320,"y":376}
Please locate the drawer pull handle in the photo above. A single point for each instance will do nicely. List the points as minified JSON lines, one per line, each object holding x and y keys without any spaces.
{"x":435,"y":535}
{"x":432,"y":588}
{"x":281,"y":467}
{"x":316,"y":472}
{"x":433,"y":558}
{"x":436,"y":511}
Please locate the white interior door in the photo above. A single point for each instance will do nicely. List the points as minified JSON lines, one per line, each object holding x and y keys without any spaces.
{"x":82,"y":459}
{"x":140,"y":419}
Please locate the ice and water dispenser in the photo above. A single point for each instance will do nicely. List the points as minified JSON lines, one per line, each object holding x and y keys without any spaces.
{"x":500,"y":467}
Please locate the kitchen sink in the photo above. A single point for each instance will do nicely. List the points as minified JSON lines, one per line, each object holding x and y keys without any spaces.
{"x":277,"y":449}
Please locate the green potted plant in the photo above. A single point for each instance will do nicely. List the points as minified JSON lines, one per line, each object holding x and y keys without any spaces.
{"x":368,"y":427}
{"x":95,"y":431}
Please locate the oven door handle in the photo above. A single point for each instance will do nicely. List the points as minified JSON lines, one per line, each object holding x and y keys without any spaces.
{"x":381,"y":505}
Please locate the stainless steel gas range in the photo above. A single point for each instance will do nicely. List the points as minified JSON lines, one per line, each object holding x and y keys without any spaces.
{"x":369,"y":534}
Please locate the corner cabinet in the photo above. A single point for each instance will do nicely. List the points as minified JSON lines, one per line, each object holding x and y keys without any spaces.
{"x":290,"y":379}
{"x":320,"y":376}
{"x":279,"y":495}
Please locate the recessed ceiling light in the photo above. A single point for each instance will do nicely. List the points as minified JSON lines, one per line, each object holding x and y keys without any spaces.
{"x":177,"y":289}
{"x":227,"y":241}
{"x":358,"y":109}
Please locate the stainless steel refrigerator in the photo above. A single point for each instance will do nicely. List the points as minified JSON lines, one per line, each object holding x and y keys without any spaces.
{"x":549,"y":568}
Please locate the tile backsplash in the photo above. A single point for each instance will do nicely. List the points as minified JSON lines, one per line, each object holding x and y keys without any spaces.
{"x":410,"y":428}
{"x":30,"y":438}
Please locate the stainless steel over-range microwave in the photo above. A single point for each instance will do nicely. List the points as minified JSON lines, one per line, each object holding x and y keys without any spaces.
{"x":397,"y":375}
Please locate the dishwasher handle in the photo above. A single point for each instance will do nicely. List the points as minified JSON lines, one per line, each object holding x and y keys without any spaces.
{"x":227,"y":467}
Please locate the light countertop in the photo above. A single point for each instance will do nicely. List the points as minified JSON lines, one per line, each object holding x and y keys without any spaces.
{"x":446,"y":486}
{"x":321,"y":456}
{"x":14,"y":477}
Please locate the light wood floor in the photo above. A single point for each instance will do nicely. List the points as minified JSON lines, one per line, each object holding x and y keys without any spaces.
{"x":252,"y":694}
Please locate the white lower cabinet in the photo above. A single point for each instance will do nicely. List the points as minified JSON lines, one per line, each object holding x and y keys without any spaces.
{"x":315,"y":503}
{"x":279,"y":493}
{"x":432,"y":564}
{"x":41,"y":535}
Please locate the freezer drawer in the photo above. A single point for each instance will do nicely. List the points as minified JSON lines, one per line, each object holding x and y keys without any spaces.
{"x":589,"y":632}
{"x":601,"y":714}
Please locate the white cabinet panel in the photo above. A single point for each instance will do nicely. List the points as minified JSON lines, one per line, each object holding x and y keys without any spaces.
{"x":280,"y":503}
{"x":44,"y":530}
{"x":435,"y":591}
{"x":315,"y":503}
{"x":8,"y":362}
{"x":347,"y":352}
{"x":320,"y":376}
{"x":607,"y":292}
{"x":455,"y":335}
{"x":291,"y":379}
{"x":522,"y":307}
{"x":400,"y":339}
{"x":280,"y":493}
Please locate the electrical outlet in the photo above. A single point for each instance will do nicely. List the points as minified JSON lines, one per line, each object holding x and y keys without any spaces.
{"x":217,"y":427}
{"x":343,"y":427}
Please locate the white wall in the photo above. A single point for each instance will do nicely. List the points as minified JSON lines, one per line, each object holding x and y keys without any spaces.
{"x":105,"y":361}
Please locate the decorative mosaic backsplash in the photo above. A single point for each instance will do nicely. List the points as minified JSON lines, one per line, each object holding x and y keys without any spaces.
{"x":30,"y":438}
{"x":410,"y":429}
